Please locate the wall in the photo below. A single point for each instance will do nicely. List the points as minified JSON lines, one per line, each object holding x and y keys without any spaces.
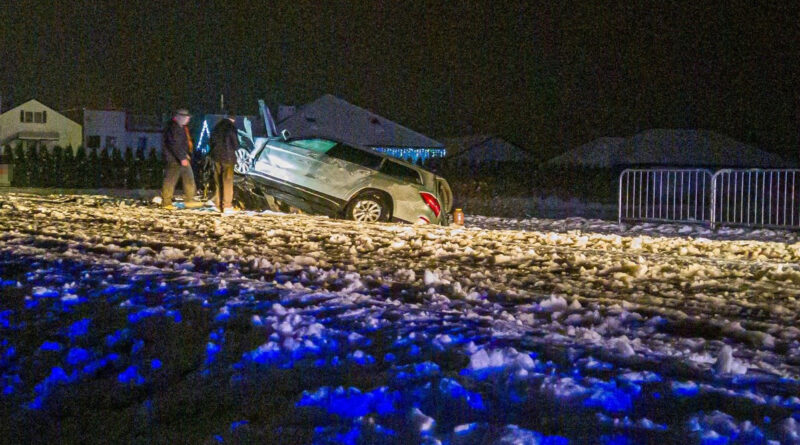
{"x":69,"y":132}
{"x":106,"y":124}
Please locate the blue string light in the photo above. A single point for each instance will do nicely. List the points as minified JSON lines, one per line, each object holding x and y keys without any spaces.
{"x":413,"y":155}
{"x":203,"y":148}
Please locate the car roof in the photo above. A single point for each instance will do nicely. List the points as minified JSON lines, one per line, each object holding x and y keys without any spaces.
{"x":367,"y":149}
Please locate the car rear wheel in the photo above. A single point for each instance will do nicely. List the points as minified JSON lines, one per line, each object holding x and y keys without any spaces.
{"x":368,"y":207}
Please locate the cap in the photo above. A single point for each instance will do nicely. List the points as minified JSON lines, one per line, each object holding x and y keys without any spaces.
{"x":182,"y":112}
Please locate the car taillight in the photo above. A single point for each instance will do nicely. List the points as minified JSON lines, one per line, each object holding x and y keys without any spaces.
{"x":432,"y":202}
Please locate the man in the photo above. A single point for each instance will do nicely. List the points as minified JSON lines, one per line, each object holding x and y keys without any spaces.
{"x":224,"y":142}
{"x":177,"y":149}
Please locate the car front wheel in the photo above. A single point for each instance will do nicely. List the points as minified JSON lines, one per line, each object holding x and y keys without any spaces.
{"x":368,"y":208}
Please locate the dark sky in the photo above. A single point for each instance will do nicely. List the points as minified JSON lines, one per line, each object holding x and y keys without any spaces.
{"x":546,"y":75}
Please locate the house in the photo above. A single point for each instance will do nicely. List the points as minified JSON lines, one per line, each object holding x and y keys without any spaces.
{"x":484,"y":150}
{"x":119,"y":129}
{"x":334,"y":118}
{"x":34,"y":122}
{"x":668,"y":147}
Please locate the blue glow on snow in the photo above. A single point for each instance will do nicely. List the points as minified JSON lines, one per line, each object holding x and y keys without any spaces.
{"x":5,"y":316}
{"x":237,"y":424}
{"x":76,"y":356}
{"x":131,"y":376}
{"x":116,"y":337}
{"x":454,"y":390}
{"x":78,"y":329}
{"x":137,"y":347}
{"x":212,"y":349}
{"x":685,"y":389}
{"x":351,"y":402}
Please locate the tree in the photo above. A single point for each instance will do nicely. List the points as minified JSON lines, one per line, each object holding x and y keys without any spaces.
{"x":93,"y":179}
{"x":32,"y":161}
{"x":117,"y":170}
{"x":104,"y":169}
{"x":131,"y":172}
{"x":67,"y":173}
{"x":45,"y":167}
{"x":81,"y":178}
{"x":55,"y":168}
{"x":20,"y":175}
{"x":155,"y":169}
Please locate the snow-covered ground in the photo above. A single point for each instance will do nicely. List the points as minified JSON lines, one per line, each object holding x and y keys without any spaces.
{"x":122,"y":322}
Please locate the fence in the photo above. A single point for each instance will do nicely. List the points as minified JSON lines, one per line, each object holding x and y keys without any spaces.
{"x":735,"y":197}
{"x":756,"y":198}
{"x":665,"y":195}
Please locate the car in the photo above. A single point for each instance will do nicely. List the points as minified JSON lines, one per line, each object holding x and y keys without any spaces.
{"x":330,"y":177}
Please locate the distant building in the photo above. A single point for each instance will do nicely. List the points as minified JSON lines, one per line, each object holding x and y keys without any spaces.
{"x":484,"y":150}
{"x":119,"y":129}
{"x":34,"y":122}
{"x":334,"y":118}
{"x":668,"y":148}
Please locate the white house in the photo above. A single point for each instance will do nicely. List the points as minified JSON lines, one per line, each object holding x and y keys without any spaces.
{"x":119,"y":129}
{"x":36,"y":122}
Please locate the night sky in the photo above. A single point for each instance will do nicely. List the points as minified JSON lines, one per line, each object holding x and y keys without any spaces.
{"x":547,"y":76}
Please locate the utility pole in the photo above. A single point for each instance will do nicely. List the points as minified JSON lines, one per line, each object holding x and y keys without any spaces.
{"x":222,"y":103}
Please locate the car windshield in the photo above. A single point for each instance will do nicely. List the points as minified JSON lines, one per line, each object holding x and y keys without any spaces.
{"x":318,"y":145}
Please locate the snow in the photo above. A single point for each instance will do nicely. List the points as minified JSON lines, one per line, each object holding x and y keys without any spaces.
{"x":413,"y":333}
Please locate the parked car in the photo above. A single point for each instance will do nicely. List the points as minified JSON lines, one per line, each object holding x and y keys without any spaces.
{"x":329,"y":177}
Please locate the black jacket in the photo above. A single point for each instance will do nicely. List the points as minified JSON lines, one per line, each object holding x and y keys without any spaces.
{"x":176,"y":143}
{"x":224,"y":142}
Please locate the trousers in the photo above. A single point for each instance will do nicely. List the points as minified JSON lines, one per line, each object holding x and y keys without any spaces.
{"x":173,"y":172}
{"x":223,"y":182}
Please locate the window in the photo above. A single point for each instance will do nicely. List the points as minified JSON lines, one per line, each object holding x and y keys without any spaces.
{"x":318,"y":145}
{"x":356,"y":156}
{"x":142,"y":143}
{"x":401,"y":172}
{"x":30,"y":117}
{"x":93,"y":141}
{"x":111,"y":141}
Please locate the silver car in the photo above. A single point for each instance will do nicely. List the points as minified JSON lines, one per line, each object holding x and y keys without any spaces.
{"x":329,"y":177}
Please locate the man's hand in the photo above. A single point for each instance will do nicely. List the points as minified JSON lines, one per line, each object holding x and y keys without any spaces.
{"x":185,"y":162}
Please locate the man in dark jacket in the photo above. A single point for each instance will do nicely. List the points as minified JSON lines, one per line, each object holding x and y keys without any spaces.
{"x":224,"y":142}
{"x":177,"y":150}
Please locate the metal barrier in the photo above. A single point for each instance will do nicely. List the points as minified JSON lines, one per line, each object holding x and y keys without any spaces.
{"x":756,"y":198}
{"x":665,"y":195}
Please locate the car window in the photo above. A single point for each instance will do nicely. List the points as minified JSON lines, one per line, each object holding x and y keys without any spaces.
{"x":400,"y":172}
{"x":356,"y":156}
{"x":318,"y":145}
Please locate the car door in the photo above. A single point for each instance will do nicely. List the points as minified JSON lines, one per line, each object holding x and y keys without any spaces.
{"x":344,"y":168}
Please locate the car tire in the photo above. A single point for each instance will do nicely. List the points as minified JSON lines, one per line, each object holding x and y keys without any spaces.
{"x":368,"y":208}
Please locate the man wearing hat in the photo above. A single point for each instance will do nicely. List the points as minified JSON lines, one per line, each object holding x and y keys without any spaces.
{"x":224,"y":143}
{"x":177,"y":154}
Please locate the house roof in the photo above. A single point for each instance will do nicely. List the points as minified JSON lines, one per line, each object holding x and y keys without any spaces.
{"x":335,"y":118}
{"x":678,"y":147}
{"x":485,"y":148}
{"x":17,"y":108}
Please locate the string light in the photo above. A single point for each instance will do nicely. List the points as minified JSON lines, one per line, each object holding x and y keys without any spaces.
{"x":203,"y":149}
{"x":413,"y":155}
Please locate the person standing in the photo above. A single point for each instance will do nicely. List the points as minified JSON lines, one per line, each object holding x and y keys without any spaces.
{"x":224,"y":142}
{"x":177,"y":149}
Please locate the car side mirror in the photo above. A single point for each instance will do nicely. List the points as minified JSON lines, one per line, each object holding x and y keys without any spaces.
{"x":285,"y":134}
